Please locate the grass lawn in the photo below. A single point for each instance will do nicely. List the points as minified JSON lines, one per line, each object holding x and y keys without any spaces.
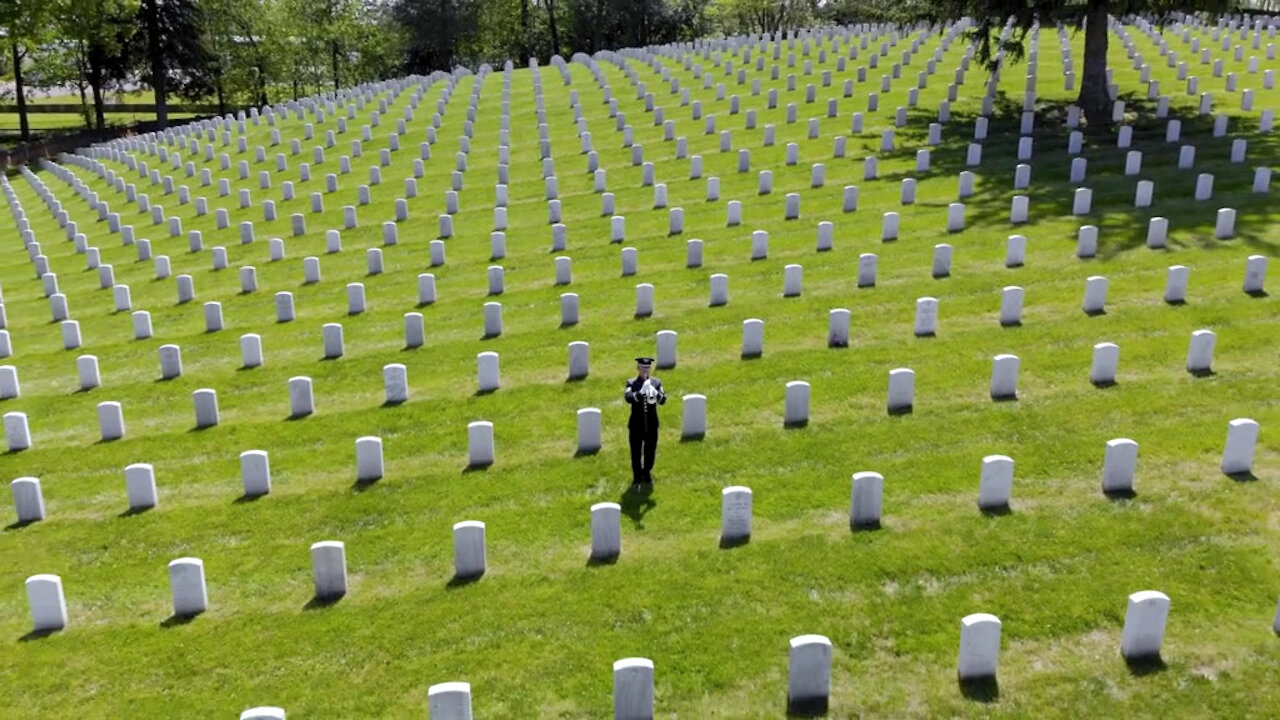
{"x":536,"y":636}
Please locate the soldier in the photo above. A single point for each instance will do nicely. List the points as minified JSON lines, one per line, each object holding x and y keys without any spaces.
{"x":644,"y":394}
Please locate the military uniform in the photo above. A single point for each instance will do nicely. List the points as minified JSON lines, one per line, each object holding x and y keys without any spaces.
{"x":644,"y":396}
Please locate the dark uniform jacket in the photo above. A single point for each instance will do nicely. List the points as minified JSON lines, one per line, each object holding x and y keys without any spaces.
{"x":642,"y":413}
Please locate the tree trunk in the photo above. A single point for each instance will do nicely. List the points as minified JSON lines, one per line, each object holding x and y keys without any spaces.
{"x":95,"y":84}
{"x":551,"y":18}
{"x":155,"y":58}
{"x":333,"y":55}
{"x":24,"y":127}
{"x":1094,"y":99}
{"x":525,"y":34}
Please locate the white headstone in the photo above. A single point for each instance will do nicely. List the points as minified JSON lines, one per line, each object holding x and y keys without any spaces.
{"x":1102,"y":370}
{"x":1200,"y":352}
{"x":1119,"y":465}
{"x":838,"y":327}
{"x":902,"y":389}
{"x":492,"y":319}
{"x":449,"y":701}
{"x":752,"y":338}
{"x":469,"y":559}
{"x":329,"y":569}
{"x":186,"y":581}
{"x":28,"y":499}
{"x":480,"y":444}
{"x":926,"y":323}
{"x":796,"y":407}
{"x":606,"y":530}
{"x":47,"y":603}
{"x":666,"y":349}
{"x":979,"y":646}
{"x":1095,"y":295}
{"x":255,"y":472}
{"x":1144,"y":623}
{"x":589,"y":431}
{"x":1255,"y":274}
{"x":140,"y":486}
{"x":111,"y":420}
{"x":996,"y":482}
{"x":206,"y":402}
{"x":1242,"y":443}
{"x":1004,"y":377}
{"x":633,"y":689}
{"x":809,"y":674}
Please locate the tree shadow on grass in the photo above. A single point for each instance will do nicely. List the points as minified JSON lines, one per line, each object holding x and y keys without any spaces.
{"x":636,"y":502}
{"x":1123,"y":226}
{"x":38,"y":635}
{"x":1145,"y":665}
{"x":983,"y":690}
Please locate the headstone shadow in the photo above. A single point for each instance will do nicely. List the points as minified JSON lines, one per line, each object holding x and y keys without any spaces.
{"x":135,"y":511}
{"x":693,"y":437}
{"x":811,"y":708}
{"x":1145,"y":665}
{"x":996,"y":511}
{"x":733,"y":542}
{"x":1204,"y":373}
{"x":360,"y":486}
{"x":37,"y":635}
{"x":580,"y":453}
{"x":601,"y":560}
{"x":1242,"y":477}
{"x":246,"y":499}
{"x":1105,"y":384}
{"x":904,"y":410}
{"x":176,"y":620}
{"x":19,"y":524}
{"x":1125,"y":494}
{"x":319,"y":603}
{"x":458,"y":581}
{"x":984,"y":690}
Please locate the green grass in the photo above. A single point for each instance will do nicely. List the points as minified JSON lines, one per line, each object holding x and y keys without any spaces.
{"x":537,"y":635}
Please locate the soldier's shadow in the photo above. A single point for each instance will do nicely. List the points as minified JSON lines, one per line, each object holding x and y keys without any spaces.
{"x":636,"y":502}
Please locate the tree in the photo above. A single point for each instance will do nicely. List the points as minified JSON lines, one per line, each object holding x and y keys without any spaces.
{"x":1089,"y":15}
{"x":436,"y":32}
{"x":170,"y":46}
{"x":26,"y":25}
{"x":239,"y":61}
{"x":98,"y":33}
